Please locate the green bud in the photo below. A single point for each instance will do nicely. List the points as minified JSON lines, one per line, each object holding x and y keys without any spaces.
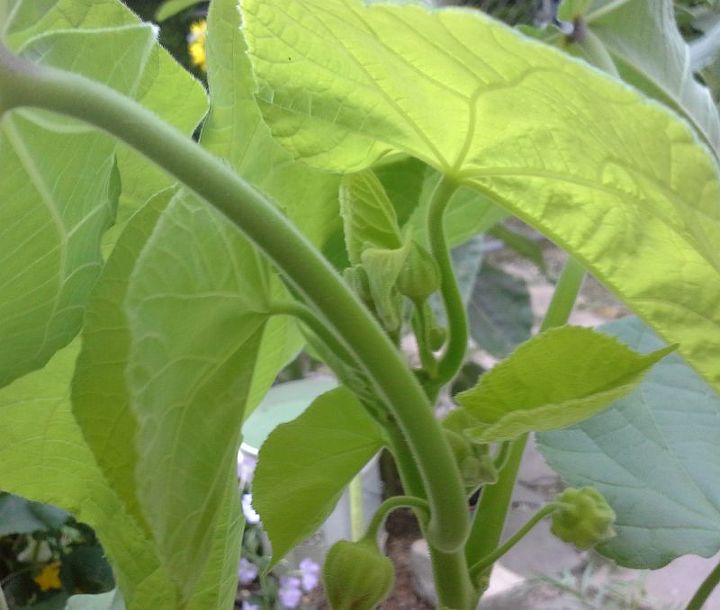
{"x":420,"y":276}
{"x":474,"y":461}
{"x":356,"y":575}
{"x":436,"y":337}
{"x":583,"y":517}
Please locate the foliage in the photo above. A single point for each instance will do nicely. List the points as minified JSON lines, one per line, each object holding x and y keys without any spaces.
{"x":147,"y":311}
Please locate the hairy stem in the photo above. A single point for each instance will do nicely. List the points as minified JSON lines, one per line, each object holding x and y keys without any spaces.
{"x":489,"y":520}
{"x":419,"y":505}
{"x":705,"y":590}
{"x":25,"y":84}
{"x":454,"y":354}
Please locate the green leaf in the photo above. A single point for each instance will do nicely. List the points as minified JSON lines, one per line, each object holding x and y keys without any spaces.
{"x":368,"y":215}
{"x":170,"y":8}
{"x":109,"y":426}
{"x":112,"y":600}
{"x":383,"y":268}
{"x":556,"y":379}
{"x":304,"y":465}
{"x":604,"y":173}
{"x":195,"y":334}
{"x":20,"y":516}
{"x":101,"y":403}
{"x":283,"y":403}
{"x":236,"y":131}
{"x":653,"y":455}
{"x":650,"y":53}
{"x":499,"y":312}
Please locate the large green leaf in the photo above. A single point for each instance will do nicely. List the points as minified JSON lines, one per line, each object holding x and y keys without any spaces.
{"x":305,"y":464}
{"x":654,"y":456}
{"x":101,"y":405}
{"x":649,"y":52}
{"x":196,"y":306}
{"x":556,"y":379}
{"x":614,"y":179}
{"x":99,"y":393}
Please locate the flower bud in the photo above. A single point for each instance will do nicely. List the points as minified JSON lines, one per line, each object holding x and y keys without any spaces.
{"x":357,"y":576}
{"x":583,"y":517}
{"x":437,"y":336}
{"x":420,"y":276}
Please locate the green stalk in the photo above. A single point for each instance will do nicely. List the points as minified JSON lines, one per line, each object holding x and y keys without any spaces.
{"x":487,"y":561}
{"x":24,"y":84}
{"x":420,"y":506}
{"x":454,"y":354}
{"x":706,"y":588}
{"x":489,"y":520}
{"x":357,"y":510}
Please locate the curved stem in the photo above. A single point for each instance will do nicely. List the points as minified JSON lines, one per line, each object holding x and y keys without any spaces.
{"x":308,"y":317}
{"x":489,"y":520}
{"x":482,"y":565}
{"x":454,"y":354}
{"x":706,"y":588}
{"x":23,"y":83}
{"x":421,"y":510}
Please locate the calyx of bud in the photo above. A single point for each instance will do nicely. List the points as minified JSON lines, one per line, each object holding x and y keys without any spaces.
{"x":583,"y":517}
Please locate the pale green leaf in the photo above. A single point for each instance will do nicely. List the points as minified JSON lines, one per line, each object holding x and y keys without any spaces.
{"x":653,"y":454}
{"x":368,"y":215}
{"x":605,"y":174}
{"x":99,"y":393}
{"x":304,"y":465}
{"x":112,"y":600}
{"x":170,"y":8}
{"x":556,"y":379}
{"x":60,"y":174}
{"x":101,"y":406}
{"x":499,"y":312}
{"x":383,"y":268}
{"x":196,"y":307}
{"x":57,"y":467}
{"x":650,"y":53}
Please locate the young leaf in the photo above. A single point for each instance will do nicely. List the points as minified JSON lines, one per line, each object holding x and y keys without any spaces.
{"x":499,"y":312}
{"x":383,"y":268}
{"x":653,"y":455}
{"x":304,"y":466}
{"x":584,"y":159}
{"x":368,"y":216}
{"x":556,"y":379}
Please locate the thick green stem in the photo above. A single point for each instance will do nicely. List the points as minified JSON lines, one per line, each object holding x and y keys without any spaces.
{"x":706,"y":588}
{"x":454,"y":354}
{"x":489,"y":520}
{"x":25,"y":84}
{"x":490,"y":559}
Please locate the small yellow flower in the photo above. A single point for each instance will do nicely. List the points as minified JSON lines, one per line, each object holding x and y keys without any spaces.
{"x":49,"y":577}
{"x":196,"y":44}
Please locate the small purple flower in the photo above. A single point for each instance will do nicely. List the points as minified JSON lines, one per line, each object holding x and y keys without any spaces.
{"x":245,"y":467}
{"x":247,"y":572}
{"x":309,"y":574}
{"x":289,"y":592}
{"x":250,"y":515}
{"x":249,"y":606}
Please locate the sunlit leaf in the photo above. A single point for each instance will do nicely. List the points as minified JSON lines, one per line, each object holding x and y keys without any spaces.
{"x":589,"y":162}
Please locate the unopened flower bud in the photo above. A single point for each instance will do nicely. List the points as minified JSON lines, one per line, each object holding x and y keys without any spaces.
{"x":357,"y":576}
{"x":583,"y":517}
{"x":420,"y":276}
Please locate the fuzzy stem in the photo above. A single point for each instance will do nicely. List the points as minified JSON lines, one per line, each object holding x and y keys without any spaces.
{"x":24,"y":84}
